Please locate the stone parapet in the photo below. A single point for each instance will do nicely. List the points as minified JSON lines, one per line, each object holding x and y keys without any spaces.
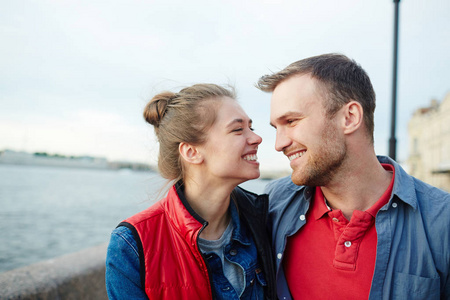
{"x":79,"y":275}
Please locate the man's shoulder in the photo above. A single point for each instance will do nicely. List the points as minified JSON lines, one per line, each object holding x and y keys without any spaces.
{"x":432,"y":199}
{"x":430,"y":209}
{"x":282,"y":185}
{"x":433,"y":206}
{"x":429,"y":190}
{"x":416,"y":193}
{"x":284,"y":194}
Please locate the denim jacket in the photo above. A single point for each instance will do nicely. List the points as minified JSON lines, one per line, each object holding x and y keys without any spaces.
{"x":413,"y":231}
{"x":242,"y":251}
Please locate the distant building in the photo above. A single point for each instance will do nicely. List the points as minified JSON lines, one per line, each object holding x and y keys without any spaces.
{"x":429,"y":144}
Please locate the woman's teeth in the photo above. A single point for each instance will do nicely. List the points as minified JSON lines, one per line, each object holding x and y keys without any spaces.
{"x":251,"y":157}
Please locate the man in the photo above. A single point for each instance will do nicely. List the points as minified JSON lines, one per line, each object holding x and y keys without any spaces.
{"x":348,"y":224}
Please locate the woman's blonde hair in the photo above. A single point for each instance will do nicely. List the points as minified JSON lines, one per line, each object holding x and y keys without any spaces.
{"x":186,"y":117}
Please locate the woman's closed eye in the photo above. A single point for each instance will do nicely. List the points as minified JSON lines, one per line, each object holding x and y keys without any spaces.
{"x":242,"y":129}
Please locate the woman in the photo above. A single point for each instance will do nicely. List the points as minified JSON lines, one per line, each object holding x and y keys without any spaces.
{"x":206,"y":239}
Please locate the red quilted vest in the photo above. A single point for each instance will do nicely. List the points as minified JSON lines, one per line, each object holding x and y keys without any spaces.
{"x":172,"y":266}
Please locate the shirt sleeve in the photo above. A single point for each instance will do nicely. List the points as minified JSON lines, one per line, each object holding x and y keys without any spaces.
{"x":446,"y":294}
{"x":123,"y":280}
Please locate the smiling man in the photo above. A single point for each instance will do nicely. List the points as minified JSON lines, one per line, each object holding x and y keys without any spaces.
{"x":348,"y":224}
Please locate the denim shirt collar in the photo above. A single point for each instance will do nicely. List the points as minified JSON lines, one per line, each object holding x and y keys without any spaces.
{"x":403,"y":189}
{"x":239,"y":233}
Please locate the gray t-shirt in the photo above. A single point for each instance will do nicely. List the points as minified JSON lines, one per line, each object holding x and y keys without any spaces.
{"x":233,"y":272}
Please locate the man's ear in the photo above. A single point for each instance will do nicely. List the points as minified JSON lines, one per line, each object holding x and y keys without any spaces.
{"x":190,"y":153}
{"x":353,"y":114}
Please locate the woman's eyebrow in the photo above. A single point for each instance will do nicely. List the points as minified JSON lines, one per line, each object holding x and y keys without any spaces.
{"x":241,"y":121}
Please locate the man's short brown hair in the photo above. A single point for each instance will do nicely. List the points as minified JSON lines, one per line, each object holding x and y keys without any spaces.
{"x":340,"y":78}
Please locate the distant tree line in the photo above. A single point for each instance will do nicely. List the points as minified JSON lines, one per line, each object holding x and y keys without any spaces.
{"x":45,"y":154}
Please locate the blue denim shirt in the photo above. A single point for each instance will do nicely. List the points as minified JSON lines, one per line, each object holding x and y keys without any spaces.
{"x":122,"y":265}
{"x":413,"y":231}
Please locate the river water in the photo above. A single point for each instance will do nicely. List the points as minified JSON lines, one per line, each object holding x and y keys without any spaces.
{"x":47,"y":212}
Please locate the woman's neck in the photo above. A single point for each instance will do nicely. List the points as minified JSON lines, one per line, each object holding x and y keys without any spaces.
{"x":211,"y":203}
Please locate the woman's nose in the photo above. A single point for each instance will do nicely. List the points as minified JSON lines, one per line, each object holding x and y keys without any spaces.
{"x":254,"y":139}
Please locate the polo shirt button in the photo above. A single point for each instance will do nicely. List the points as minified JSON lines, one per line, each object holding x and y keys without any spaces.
{"x":335,"y":219}
{"x":394,"y":205}
{"x":279,"y":255}
{"x":233,"y":252}
{"x":348,"y":244}
{"x":302,"y":217}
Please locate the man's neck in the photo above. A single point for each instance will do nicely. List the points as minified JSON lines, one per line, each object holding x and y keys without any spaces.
{"x":357,"y":187}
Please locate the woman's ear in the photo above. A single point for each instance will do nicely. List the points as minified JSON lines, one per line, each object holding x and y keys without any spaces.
{"x":353,"y":117}
{"x":190,"y":153}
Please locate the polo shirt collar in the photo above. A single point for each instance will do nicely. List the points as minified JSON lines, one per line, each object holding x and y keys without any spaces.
{"x":384,"y":199}
{"x":319,"y":207}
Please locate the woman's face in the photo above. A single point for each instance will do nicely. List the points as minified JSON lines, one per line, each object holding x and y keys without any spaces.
{"x":230,"y":149}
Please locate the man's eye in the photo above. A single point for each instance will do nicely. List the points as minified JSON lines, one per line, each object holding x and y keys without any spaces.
{"x":238,"y":129}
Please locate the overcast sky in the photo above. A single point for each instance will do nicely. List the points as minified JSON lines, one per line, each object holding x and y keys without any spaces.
{"x":75,"y":75}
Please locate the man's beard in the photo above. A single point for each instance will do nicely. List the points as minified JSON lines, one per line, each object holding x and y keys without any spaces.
{"x":325,"y":162}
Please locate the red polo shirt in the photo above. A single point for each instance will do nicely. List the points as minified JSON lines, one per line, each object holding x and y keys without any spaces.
{"x":330,"y":257}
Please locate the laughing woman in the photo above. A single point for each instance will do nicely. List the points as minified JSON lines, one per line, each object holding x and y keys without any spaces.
{"x":207,"y":238}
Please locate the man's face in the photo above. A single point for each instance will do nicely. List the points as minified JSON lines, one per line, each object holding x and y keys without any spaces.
{"x":311,"y":140}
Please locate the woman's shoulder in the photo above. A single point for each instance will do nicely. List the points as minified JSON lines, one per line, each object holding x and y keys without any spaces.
{"x":123,"y":236}
{"x":152,"y":212}
{"x":241,"y":192}
{"x":122,"y":275}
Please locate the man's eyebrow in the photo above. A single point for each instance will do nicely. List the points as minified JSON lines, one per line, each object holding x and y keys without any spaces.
{"x":287,"y":115}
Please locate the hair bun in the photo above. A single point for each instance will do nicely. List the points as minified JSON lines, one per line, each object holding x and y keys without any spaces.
{"x":156,"y":108}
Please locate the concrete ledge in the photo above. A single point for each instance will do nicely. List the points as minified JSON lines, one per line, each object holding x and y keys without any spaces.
{"x":79,"y":275}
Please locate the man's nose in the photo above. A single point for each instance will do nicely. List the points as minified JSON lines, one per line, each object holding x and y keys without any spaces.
{"x":282,"y":140}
